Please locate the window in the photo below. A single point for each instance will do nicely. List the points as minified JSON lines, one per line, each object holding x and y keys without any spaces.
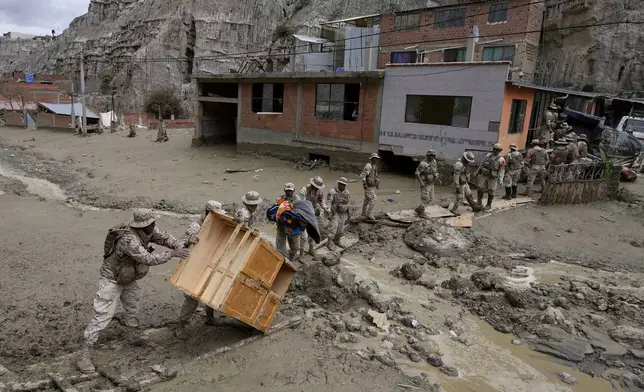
{"x":453,"y":55}
{"x":337,"y":101}
{"x":403,"y":57}
{"x":517,"y":115}
{"x":498,"y":13}
{"x":407,"y":22}
{"x":498,"y":53}
{"x":268,"y":97}
{"x":438,"y":110}
{"x":493,"y":126}
{"x":449,"y":18}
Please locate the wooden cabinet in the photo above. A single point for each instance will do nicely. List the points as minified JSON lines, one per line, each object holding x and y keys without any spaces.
{"x":236,"y":272}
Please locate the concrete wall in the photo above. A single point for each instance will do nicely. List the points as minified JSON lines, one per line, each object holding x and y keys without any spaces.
{"x":485,"y":83}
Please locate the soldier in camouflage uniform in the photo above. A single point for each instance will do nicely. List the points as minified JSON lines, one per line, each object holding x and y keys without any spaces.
{"x":582,"y":145}
{"x":370,"y":182}
{"x":461,"y":175}
{"x":573,"y":148}
{"x":282,"y":238}
{"x":427,"y":174}
{"x":190,"y":304}
{"x":246,"y":212}
{"x":313,"y":193}
{"x":514,"y":164}
{"x":338,"y":204}
{"x":489,"y":175}
{"x":125,"y":261}
{"x":536,"y":160}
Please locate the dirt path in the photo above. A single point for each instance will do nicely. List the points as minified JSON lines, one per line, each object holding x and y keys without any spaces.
{"x":52,"y":255}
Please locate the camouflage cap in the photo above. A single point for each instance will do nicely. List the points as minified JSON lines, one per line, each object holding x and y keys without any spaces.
{"x":374,"y":155}
{"x":552,"y":106}
{"x":469,"y":156}
{"x":513,"y":146}
{"x":143,"y":217}
{"x":497,"y":146}
{"x":317,"y":182}
{"x":289,"y":186}
{"x":431,"y":152}
{"x":251,"y":198}
{"x":343,"y":180}
{"x":212,"y":205}
{"x":561,"y":142}
{"x":582,"y":137}
{"x":535,"y":141}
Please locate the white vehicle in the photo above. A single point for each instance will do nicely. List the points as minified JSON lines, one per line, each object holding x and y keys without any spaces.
{"x":632,"y":125}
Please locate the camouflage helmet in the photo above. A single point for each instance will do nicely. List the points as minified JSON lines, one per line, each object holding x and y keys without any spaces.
{"x":552,"y":106}
{"x":343,"y":180}
{"x":143,"y":217}
{"x":535,"y":141}
{"x":374,"y":156}
{"x":513,"y":146}
{"x":468,"y":156}
{"x":212,"y":205}
{"x":582,"y":137}
{"x":497,"y":146}
{"x":289,"y":186}
{"x":251,"y":198}
{"x":431,"y":152}
{"x":561,"y":142}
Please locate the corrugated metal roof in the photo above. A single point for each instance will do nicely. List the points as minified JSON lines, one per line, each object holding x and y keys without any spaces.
{"x":349,"y":19}
{"x":557,"y":90}
{"x":307,"y":38}
{"x":66,"y":109}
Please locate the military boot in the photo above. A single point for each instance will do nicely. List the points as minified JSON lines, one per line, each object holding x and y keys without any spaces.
{"x":338,"y":241}
{"x":421,"y":212}
{"x":514,"y":191}
{"x":488,"y":206}
{"x":475,"y":207}
{"x":454,"y":209}
{"x":508,"y":193}
{"x":293,"y":256}
{"x":330,"y":245}
{"x":210,"y":316}
{"x":84,"y":363}
{"x":528,"y":192}
{"x":479,"y":197}
{"x":312,"y":251}
{"x":180,"y":333}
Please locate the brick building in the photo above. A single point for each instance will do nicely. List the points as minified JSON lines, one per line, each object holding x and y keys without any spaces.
{"x":507,"y":31}
{"x":336,"y":114}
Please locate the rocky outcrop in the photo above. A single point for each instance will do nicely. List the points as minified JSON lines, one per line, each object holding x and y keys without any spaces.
{"x":601,"y":58}
{"x":140,"y":45}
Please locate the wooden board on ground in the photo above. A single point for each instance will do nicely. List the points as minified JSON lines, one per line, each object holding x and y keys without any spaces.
{"x":235,"y":271}
{"x":410,"y":216}
{"x":347,"y":241}
{"x":466,"y":220}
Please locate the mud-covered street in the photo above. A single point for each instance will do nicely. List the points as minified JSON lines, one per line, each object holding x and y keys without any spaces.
{"x":458,"y":319}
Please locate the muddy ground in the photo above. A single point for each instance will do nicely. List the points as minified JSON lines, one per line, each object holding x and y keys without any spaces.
{"x":582,"y":310}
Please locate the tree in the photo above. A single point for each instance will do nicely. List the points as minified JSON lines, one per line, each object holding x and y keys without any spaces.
{"x":106,"y":76}
{"x":164,"y":101}
{"x":12,"y":95}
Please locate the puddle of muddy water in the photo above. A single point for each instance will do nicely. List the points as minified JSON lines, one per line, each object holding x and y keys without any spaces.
{"x":491,"y":364}
{"x":36,"y":186}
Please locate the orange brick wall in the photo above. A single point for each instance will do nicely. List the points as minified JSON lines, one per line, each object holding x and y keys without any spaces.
{"x":284,"y":121}
{"x":14,"y":118}
{"x":51,"y":120}
{"x":353,"y":130}
{"x":363,"y":129}
{"x":519,"y":20}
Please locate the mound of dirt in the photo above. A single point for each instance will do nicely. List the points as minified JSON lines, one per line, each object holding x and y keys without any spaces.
{"x":331,"y":288}
{"x":433,"y":238}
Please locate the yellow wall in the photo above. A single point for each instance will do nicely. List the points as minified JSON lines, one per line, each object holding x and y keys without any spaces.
{"x":514,"y":92}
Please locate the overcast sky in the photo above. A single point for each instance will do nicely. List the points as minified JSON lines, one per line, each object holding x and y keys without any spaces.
{"x":39,"y":16}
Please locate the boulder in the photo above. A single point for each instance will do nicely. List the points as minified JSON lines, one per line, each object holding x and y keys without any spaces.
{"x":486,"y":280}
{"x":434,"y":360}
{"x":449,"y":370}
{"x":411,"y":271}
{"x":426,"y":236}
{"x":567,"y":378}
{"x":632,"y":336}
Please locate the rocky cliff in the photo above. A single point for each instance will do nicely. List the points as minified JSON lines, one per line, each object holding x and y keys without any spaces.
{"x":604,"y":59}
{"x":140,"y":45}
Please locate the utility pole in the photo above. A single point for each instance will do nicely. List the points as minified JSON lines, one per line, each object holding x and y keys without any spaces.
{"x":82,"y":76}
{"x":112,"y":114}
{"x":74,"y":122}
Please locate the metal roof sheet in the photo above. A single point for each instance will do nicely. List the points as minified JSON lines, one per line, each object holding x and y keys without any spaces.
{"x":66,"y":109}
{"x":307,"y":38}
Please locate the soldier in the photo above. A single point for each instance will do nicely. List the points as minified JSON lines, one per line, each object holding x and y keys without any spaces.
{"x":370,"y":182}
{"x":514,"y":162}
{"x":313,"y":193}
{"x":582,"y":145}
{"x":489,"y":174}
{"x":573,"y":150}
{"x":560,"y":152}
{"x":427,"y":174}
{"x":338,"y":204}
{"x":536,"y":160}
{"x":246,"y":212}
{"x":561,"y":131}
{"x":551,"y":116}
{"x":126,"y":259}
{"x":461,"y":175}
{"x":190,"y":304}
{"x":281,"y":238}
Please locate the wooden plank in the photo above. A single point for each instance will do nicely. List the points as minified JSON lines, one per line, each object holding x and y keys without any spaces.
{"x":410,"y":216}
{"x":212,"y":262}
{"x":61,"y":383}
{"x":295,"y":321}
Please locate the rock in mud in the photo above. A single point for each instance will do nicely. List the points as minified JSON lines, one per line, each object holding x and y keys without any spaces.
{"x":387,"y":345}
{"x":460,"y":286}
{"x":567,"y":378}
{"x":385,"y":358}
{"x":326,"y":333}
{"x":426,"y":281}
{"x":420,"y":259}
{"x":486,"y":280}
{"x":338,"y":325}
{"x":331,"y":288}
{"x":370,"y":331}
{"x":410,"y":321}
{"x":435,"y":360}
{"x":517,"y":342}
{"x":353,"y":325}
{"x":331,"y":259}
{"x":562,"y":302}
{"x":449,"y":370}
{"x":565,"y":346}
{"x":432,"y":237}
{"x":369,"y":291}
{"x":553,"y":316}
{"x":632,"y":336}
{"x":348,"y":337}
{"x":411,"y":271}
{"x":414,"y":357}
{"x":519,"y":298}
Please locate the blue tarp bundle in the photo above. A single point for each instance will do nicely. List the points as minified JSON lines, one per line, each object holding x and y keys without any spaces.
{"x":302,"y":214}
